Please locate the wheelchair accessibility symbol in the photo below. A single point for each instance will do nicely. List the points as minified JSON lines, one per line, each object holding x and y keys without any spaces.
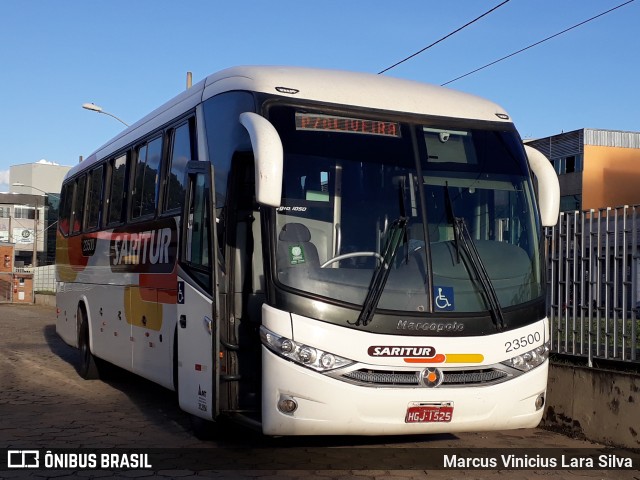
{"x":180,"y":298}
{"x":443,"y":298}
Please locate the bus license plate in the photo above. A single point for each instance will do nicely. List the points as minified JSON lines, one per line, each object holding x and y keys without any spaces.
{"x":423,"y":412}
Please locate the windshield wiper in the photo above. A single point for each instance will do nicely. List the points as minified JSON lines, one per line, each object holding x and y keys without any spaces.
{"x":462,"y":238}
{"x":381,"y":273}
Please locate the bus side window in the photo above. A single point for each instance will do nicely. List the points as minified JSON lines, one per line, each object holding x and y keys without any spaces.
{"x":66,"y":198}
{"x":181,"y":143}
{"x":145,"y":191}
{"x":78,"y":204}
{"x":94,"y":197}
{"x":117,"y":189}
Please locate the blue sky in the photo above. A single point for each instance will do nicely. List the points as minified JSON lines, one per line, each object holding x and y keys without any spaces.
{"x":130,"y":56}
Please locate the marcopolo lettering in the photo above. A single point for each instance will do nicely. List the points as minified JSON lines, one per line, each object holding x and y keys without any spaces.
{"x":430,"y":326}
{"x":144,"y":250}
{"x":396,"y":351}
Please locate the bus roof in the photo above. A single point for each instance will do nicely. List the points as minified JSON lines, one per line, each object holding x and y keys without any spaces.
{"x":331,"y":86}
{"x":355,"y":89}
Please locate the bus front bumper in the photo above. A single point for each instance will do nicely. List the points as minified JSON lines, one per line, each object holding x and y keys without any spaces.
{"x":327,"y":406}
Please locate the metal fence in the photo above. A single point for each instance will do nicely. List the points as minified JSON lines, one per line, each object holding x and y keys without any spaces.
{"x":593,"y":262}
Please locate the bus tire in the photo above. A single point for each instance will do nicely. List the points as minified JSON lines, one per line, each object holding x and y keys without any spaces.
{"x":88,"y":368}
{"x":203,"y":429}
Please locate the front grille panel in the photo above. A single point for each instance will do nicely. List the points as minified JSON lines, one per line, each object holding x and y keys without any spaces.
{"x":474,"y":377}
{"x":375,"y":377}
{"x":451,"y":378}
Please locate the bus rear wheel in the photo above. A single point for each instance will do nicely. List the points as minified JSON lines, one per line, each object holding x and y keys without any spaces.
{"x":88,"y":368}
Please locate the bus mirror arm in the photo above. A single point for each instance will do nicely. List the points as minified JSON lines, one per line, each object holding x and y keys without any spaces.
{"x":268,"y":158}
{"x":548,"y":186}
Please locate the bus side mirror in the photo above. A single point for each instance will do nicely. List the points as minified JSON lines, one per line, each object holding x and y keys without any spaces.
{"x":548,"y":186}
{"x":268,"y":155}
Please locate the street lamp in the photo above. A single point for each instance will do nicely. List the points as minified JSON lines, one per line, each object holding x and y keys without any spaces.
{"x":20,"y":184}
{"x":95,"y":108}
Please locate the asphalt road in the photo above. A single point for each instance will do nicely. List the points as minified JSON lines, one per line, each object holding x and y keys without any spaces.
{"x":46,"y":406}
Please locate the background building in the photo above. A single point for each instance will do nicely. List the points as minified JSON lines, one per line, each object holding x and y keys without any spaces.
{"x":596,"y":168}
{"x":29,"y":213}
{"x":23,"y":222}
{"x":37,"y":178}
{"x":15,"y":286}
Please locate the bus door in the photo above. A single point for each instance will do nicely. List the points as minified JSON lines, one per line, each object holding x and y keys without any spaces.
{"x":197,"y":363}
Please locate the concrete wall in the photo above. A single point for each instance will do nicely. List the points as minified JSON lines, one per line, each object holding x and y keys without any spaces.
{"x":49,"y":300}
{"x":601,"y":405}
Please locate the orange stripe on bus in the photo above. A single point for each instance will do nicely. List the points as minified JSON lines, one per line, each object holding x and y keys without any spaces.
{"x":449,"y":358}
{"x":439,"y":358}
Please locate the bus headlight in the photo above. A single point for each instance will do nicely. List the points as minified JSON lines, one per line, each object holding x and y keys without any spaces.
{"x":305,"y":355}
{"x":529,"y":360}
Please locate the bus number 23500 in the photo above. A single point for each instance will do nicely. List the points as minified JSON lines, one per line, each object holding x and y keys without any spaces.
{"x":524,"y":341}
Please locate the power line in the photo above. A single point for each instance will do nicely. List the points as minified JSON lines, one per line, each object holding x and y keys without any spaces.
{"x":443,"y":38}
{"x":537,"y":43}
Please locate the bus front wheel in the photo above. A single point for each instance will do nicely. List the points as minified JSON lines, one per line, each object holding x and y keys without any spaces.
{"x":88,"y":368}
{"x":204,"y":429}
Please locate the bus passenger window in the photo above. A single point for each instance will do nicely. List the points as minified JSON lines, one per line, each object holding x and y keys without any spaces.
{"x":180,"y":155}
{"x":94,"y":197}
{"x":117,"y":191}
{"x":66,"y":197}
{"x":146,"y":178}
{"x":79,"y":205}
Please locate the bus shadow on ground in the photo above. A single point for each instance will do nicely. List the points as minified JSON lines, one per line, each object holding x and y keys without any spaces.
{"x":160,"y":406}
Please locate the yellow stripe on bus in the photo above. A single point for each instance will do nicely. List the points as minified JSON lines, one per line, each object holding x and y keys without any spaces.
{"x":464,"y":358}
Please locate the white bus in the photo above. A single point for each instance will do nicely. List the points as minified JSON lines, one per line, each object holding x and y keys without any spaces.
{"x":316,"y":252}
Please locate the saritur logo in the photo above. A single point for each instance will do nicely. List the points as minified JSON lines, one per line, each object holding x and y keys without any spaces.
{"x":149,"y":247}
{"x":395,"y":351}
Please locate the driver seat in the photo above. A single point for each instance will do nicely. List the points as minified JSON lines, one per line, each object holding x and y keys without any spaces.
{"x":295,"y":248}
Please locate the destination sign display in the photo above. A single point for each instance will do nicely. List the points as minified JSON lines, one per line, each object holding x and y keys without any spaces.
{"x":324,"y":123}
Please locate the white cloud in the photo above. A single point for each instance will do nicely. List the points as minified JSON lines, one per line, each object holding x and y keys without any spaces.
{"x":4,"y":180}
{"x":47,"y":162}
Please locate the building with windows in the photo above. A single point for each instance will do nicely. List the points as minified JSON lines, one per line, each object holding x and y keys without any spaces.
{"x":29,"y":213}
{"x":23,"y":220}
{"x":596,"y":168}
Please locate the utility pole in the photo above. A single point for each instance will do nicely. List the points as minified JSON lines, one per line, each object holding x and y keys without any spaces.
{"x":34,"y":263}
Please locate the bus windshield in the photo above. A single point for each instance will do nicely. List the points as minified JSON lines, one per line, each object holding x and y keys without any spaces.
{"x":349,"y":180}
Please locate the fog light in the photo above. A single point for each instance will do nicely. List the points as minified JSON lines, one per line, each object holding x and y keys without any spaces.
{"x":540,"y":401}
{"x":287,"y":405}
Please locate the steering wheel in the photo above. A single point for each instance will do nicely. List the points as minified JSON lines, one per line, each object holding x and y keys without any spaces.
{"x":344,"y":256}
